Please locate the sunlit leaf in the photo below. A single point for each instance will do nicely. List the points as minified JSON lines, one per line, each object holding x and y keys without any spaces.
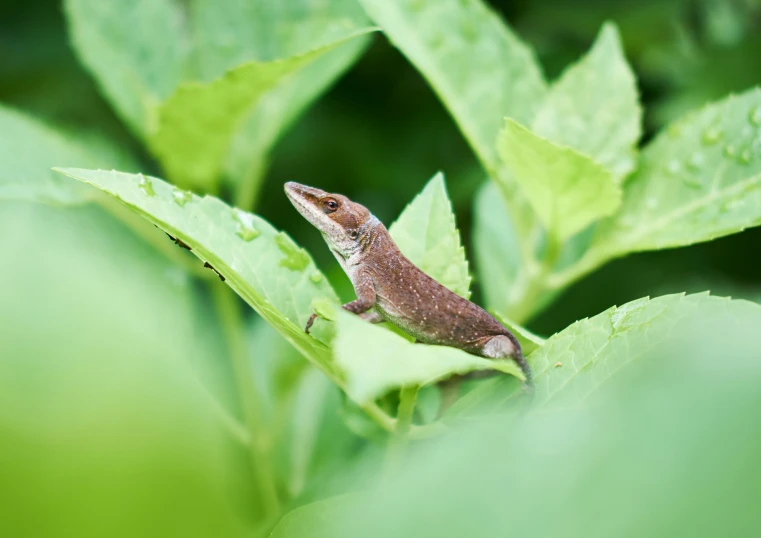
{"x":480,"y":69}
{"x":698,"y":180}
{"x":254,"y":258}
{"x":196,"y":123}
{"x":376,"y":361}
{"x":213,"y":84}
{"x":568,"y":190}
{"x":427,"y":235}
{"x":593,"y":107}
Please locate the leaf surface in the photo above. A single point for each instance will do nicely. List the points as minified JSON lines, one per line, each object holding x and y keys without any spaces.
{"x":593,"y":107}
{"x":376,"y":361}
{"x":698,"y":180}
{"x":265,"y":267}
{"x":427,"y":235}
{"x":567,"y":190}
{"x":480,"y":69}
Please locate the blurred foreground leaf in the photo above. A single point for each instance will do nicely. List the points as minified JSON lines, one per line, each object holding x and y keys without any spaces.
{"x":648,"y":460}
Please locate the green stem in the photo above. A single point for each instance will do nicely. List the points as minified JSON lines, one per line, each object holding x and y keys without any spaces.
{"x":259,"y":455}
{"x":407,"y":401}
{"x":380,"y":416}
{"x":248,"y":185}
{"x":398,"y":443}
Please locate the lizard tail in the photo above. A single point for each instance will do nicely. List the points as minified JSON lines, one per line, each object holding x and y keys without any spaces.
{"x":508,"y":347}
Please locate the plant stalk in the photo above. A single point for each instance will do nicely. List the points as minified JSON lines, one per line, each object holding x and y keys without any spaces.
{"x":259,"y":456}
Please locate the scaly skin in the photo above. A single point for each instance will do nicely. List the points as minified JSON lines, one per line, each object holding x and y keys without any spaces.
{"x":391,"y":288}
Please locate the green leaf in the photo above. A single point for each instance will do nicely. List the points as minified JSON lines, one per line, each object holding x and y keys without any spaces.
{"x":427,"y":235}
{"x":698,"y":180}
{"x":567,"y":190}
{"x":376,"y":361}
{"x":299,"y":408}
{"x":576,"y":363}
{"x":593,"y":107}
{"x":204,"y":88}
{"x":110,"y":354}
{"x":646,"y":460}
{"x":480,"y":69}
{"x":277,"y":109}
{"x":135,"y":50}
{"x":30,"y":149}
{"x":256,"y":260}
{"x":197,"y":122}
{"x":496,"y":246}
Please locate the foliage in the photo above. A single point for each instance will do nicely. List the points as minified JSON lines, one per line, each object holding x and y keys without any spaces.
{"x":131,"y":369}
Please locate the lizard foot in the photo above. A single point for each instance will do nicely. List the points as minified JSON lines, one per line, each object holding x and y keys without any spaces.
{"x":310,"y":322}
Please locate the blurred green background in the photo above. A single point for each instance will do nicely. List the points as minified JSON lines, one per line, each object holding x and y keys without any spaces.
{"x":104,"y":423}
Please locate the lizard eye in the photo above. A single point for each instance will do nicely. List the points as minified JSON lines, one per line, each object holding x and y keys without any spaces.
{"x":329,"y":205}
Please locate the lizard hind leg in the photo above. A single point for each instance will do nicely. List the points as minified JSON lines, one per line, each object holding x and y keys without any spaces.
{"x":505,"y":347}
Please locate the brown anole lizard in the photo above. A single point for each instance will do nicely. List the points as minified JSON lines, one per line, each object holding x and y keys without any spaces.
{"x":391,"y":288}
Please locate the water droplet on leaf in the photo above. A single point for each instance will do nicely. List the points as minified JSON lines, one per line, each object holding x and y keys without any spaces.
{"x":245,"y":229}
{"x":146,"y":186}
{"x":316,"y":277}
{"x":712,"y":135}
{"x":247,"y":233}
{"x":295,"y":258}
{"x":730,"y":151}
{"x":745,"y":156}
{"x":181,"y":197}
{"x":732,"y":205}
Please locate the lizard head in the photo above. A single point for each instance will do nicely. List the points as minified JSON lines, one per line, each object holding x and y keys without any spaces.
{"x":341,"y":221}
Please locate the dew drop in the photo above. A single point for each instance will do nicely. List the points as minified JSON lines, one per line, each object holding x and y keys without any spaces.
{"x":181,"y":197}
{"x":245,"y":228}
{"x":732,"y":205}
{"x":146,"y":186}
{"x":745,"y":156}
{"x":730,"y":151}
{"x":295,"y":258}
{"x":316,"y":277}
{"x":712,"y":135}
{"x":247,"y":233}
{"x":754,"y":116}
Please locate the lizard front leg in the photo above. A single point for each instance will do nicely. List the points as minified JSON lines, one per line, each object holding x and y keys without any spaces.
{"x":365,"y":290}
